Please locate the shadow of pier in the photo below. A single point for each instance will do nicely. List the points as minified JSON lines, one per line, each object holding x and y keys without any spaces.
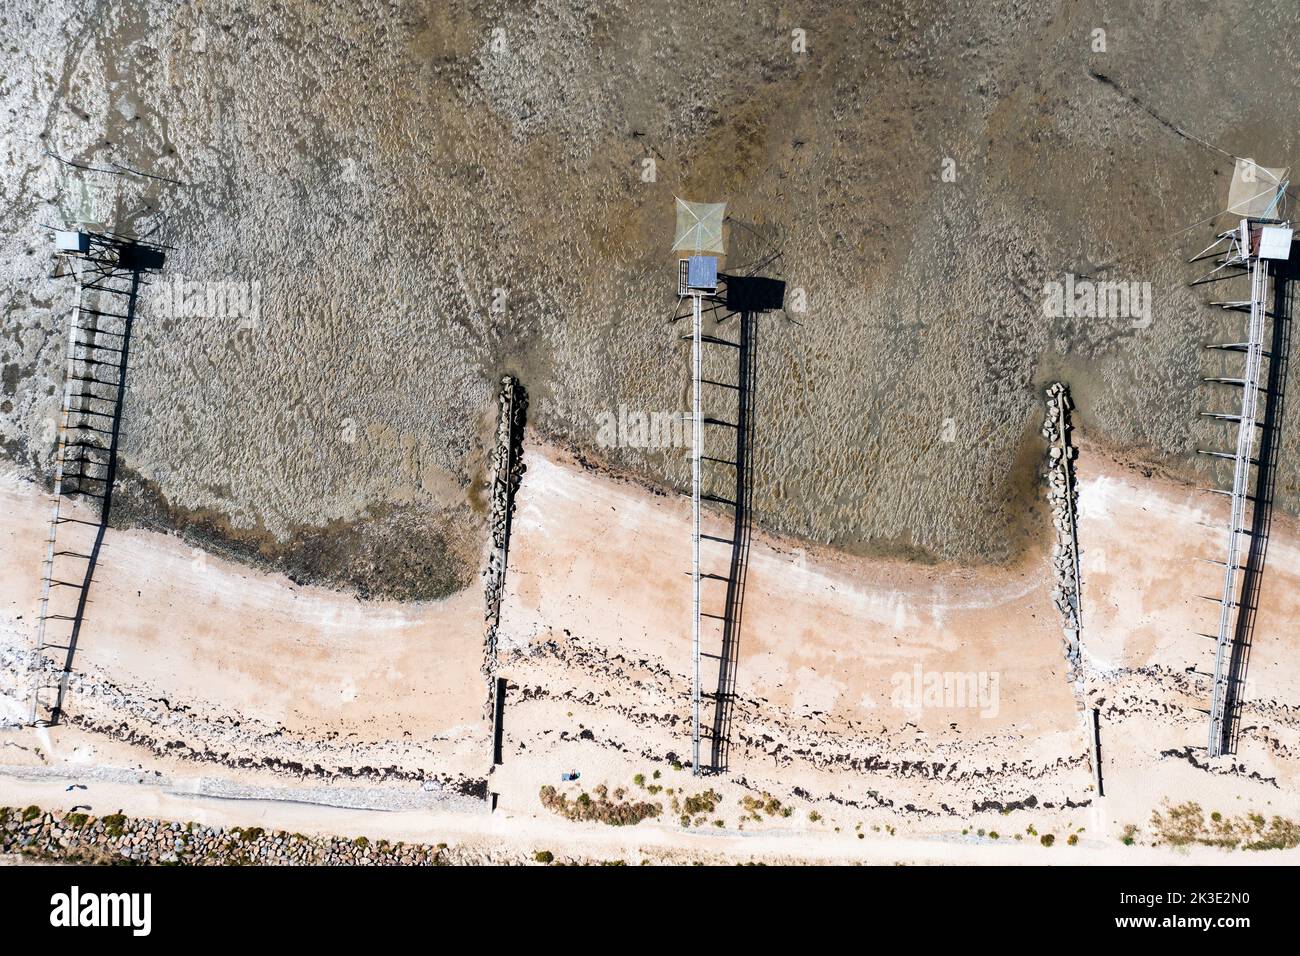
{"x":109,"y":271}
{"x":742,"y":529}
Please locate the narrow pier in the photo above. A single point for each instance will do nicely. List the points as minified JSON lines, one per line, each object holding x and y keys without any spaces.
{"x":109,"y":272}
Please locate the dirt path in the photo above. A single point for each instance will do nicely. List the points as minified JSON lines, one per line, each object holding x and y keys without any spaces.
{"x":505,"y":837}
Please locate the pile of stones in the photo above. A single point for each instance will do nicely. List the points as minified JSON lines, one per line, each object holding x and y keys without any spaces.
{"x":81,"y":838}
{"x":1062,"y":497}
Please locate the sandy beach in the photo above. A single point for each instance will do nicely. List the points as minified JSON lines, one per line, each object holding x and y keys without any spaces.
{"x":208,"y":691}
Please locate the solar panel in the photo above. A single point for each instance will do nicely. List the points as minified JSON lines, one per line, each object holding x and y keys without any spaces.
{"x":1275,"y":242}
{"x":702,"y":272}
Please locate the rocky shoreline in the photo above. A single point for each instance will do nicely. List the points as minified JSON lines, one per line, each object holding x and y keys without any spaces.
{"x":117,"y":839}
{"x":878,"y":768}
{"x":200,"y":734}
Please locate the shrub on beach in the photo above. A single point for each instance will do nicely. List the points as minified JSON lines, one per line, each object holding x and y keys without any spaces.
{"x":602,"y":809}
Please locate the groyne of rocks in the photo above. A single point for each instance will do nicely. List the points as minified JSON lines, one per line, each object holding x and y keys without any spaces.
{"x":1067,"y":586}
{"x":507,"y":470}
{"x":1063,"y":497}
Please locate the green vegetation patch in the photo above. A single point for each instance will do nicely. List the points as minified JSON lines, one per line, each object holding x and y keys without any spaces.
{"x":603,"y":809}
{"x":1186,"y":824}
